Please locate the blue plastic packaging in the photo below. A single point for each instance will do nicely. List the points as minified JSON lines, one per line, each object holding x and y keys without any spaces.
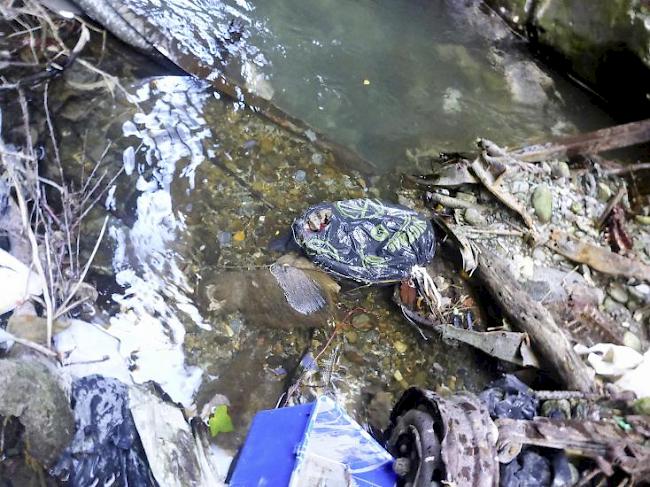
{"x":316,"y":443}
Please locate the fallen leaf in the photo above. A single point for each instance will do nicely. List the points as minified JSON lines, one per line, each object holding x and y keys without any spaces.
{"x":220,"y":421}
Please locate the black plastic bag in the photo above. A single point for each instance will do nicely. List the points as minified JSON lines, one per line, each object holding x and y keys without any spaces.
{"x":510,"y":398}
{"x":366,"y":240}
{"x":106,"y":448}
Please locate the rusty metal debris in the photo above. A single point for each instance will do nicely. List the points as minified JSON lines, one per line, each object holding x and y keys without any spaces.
{"x":453,"y":440}
{"x":461,"y":424}
{"x":605,"y":442}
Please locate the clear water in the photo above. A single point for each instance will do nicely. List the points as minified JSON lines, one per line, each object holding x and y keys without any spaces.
{"x":386,"y":76}
{"x":383,"y":76}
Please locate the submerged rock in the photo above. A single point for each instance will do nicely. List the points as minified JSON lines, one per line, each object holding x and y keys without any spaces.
{"x":290,"y":293}
{"x":30,"y":392}
{"x":528,"y":84}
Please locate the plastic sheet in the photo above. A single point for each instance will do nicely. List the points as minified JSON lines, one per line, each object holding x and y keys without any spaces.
{"x":366,"y":240}
{"x":106,"y":448}
{"x":510,"y":398}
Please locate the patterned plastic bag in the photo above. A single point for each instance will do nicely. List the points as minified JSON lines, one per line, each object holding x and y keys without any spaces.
{"x":366,"y":240}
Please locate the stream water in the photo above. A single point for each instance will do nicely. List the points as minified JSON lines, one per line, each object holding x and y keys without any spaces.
{"x":204,"y":184}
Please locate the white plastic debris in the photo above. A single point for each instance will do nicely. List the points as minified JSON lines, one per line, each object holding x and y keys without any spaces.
{"x":611,"y":360}
{"x":636,"y":380}
{"x":88,"y":349}
{"x":175,"y":456}
{"x":624,"y":365}
{"x":17,"y":282}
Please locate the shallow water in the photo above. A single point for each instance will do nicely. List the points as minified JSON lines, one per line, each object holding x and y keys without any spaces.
{"x":381,"y":76}
{"x":206,"y":184}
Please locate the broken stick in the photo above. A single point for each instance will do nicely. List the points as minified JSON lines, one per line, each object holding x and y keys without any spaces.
{"x":529,"y":316}
{"x":507,"y":199}
{"x":601,"y":140}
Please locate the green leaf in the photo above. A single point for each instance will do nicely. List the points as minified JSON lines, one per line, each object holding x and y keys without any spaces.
{"x":220,"y":422}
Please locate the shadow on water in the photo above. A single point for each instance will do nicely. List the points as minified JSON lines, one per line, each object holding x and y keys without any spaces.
{"x":206,"y":184}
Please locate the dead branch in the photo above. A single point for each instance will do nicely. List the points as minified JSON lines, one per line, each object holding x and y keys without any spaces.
{"x":601,"y":140}
{"x":507,"y":199}
{"x":532,"y":318}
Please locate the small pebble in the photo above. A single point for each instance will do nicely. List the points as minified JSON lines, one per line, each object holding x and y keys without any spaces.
{"x":300,"y":175}
{"x":539,"y":255}
{"x":632,"y":341}
{"x":239,"y":236}
{"x":617,"y":293}
{"x":224,"y":238}
{"x":642,"y":219}
{"x":604,"y":191}
{"x":352,"y":336}
{"x":317,"y":158}
{"x":400,"y":346}
{"x":560,"y":170}
{"x":640,"y":292}
{"x":576,"y":207}
{"x":642,"y":406}
{"x":473,"y":217}
{"x":470,"y":198}
{"x":520,"y":187}
{"x":397,"y":375}
{"x":542,"y":201}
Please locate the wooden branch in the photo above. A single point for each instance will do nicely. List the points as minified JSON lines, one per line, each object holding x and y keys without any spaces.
{"x":506,"y":198}
{"x":597,"y":258}
{"x":601,"y":140}
{"x":529,"y":316}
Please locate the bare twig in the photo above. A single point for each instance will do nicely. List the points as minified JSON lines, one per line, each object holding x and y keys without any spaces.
{"x":74,"y":290}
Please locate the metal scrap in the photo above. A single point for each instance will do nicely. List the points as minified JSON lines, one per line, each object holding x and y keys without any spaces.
{"x":464,"y":425}
{"x":602,"y":441}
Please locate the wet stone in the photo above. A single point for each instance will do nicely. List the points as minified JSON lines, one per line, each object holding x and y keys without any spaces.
{"x":542,"y":201}
{"x":474,"y":217}
{"x":361,"y":321}
{"x":351,"y":336}
{"x":31,"y":393}
{"x":618,"y":293}
{"x":632,"y":341}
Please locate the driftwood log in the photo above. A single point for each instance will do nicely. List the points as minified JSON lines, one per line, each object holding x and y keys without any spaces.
{"x":527,"y":315}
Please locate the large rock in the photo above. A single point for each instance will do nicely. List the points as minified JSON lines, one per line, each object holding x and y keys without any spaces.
{"x":604,"y":42}
{"x":292,"y":293}
{"x":30,"y":392}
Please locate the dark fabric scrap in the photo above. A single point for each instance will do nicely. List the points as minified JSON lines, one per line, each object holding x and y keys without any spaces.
{"x":106,"y":448}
